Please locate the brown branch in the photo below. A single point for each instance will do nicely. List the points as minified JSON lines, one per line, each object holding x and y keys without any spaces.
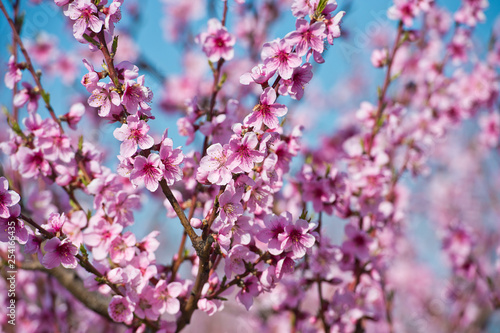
{"x":195,"y":239}
{"x":74,"y":284}
{"x":30,"y":67}
{"x":387,"y":81}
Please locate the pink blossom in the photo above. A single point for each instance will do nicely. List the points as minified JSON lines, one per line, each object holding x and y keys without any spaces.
{"x":296,"y":84}
{"x":133,"y":133}
{"x":121,"y":209}
{"x":27,"y":95}
{"x":490,"y":129}
{"x":171,"y":159}
{"x":274,"y":226}
{"x":248,"y":291}
{"x":333,"y":27}
{"x":86,"y":16}
{"x":297,"y":238}
{"x":99,"y":236}
{"x":55,"y":223}
{"x":166,"y":294}
{"x":56,"y":145}
{"x":379,"y":57}
{"x":73,"y":227}
{"x":136,"y":95}
{"x":121,"y":309}
{"x":278,"y":55}
{"x":266,"y":112}
{"x":242,"y":153}
{"x":13,"y":75}
{"x":236,"y":259}
{"x":91,"y":79}
{"x":358,"y":243}
{"x":259,"y":74}
{"x":404,"y":10}
{"x":147,"y":171}
{"x":307,"y":35}
{"x":8,"y":198}
{"x":217,"y":43}
{"x":20,"y":231}
{"x":103,"y":98}
{"x":230,"y":204}
{"x":74,"y":115}
{"x":215,"y":164}
{"x":59,"y":252}
{"x":32,"y":163}
{"x":122,"y":248}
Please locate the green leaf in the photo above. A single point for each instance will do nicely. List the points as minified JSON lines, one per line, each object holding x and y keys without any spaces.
{"x":91,"y":40}
{"x":45,"y":96}
{"x":80,"y":143}
{"x":114,"y":46}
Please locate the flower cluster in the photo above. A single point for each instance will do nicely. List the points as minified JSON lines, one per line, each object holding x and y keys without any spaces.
{"x":255,"y":204}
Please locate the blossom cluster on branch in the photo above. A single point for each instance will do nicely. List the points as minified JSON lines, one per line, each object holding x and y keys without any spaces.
{"x":255,"y":227}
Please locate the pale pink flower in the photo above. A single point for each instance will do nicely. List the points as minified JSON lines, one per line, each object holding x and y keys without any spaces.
{"x":122,"y":247}
{"x":242,"y":153}
{"x":8,"y":198}
{"x":13,"y":75}
{"x":215,"y":164}
{"x":278,"y":55}
{"x":86,"y":16}
{"x":133,"y":133}
{"x":167,"y":294}
{"x":121,"y":309}
{"x":99,"y":236}
{"x":103,"y":97}
{"x":136,"y":95}
{"x":147,"y":171}
{"x":266,"y":112}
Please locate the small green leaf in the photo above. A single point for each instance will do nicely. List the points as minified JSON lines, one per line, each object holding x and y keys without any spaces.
{"x":91,"y":40}
{"x":114,"y":46}
{"x":80,"y":143}
{"x":45,"y":96}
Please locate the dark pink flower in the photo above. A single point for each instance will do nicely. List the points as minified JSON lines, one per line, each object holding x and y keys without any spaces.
{"x":274,"y":226}
{"x":20,"y":231}
{"x":59,"y":252}
{"x":32,"y":163}
{"x":266,"y":112}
